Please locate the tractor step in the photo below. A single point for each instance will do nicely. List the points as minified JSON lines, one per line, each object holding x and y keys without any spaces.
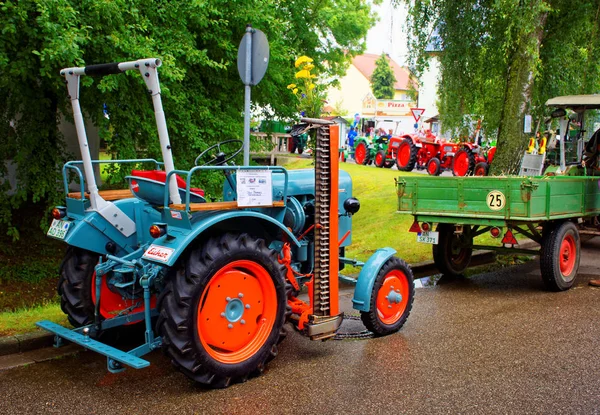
{"x":94,"y":345}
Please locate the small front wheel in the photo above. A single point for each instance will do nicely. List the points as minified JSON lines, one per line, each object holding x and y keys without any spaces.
{"x":380,"y":158}
{"x":391,"y":299}
{"x":559,"y":256}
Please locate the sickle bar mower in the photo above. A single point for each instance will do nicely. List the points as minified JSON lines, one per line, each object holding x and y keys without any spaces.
{"x":214,"y":283}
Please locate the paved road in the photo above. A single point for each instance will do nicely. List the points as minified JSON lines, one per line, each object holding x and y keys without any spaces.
{"x":494,"y":343}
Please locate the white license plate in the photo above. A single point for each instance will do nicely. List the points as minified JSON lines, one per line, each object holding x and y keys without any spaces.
{"x":59,"y":228}
{"x":428,"y":237}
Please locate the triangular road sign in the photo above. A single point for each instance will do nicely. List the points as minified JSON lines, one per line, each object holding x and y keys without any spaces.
{"x":417,"y":112}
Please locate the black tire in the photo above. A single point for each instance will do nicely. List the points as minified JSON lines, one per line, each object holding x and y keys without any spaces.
{"x":374,"y":318}
{"x":180,"y":312}
{"x":389,"y":164}
{"x":559,"y":256}
{"x":412,"y":159}
{"x":294,"y":145}
{"x":380,"y":159}
{"x":300,"y":149}
{"x":75,"y":285}
{"x":365,"y":148}
{"x":470,"y":157}
{"x":452,"y":255}
{"x":481,"y":169}
{"x":434,"y":167}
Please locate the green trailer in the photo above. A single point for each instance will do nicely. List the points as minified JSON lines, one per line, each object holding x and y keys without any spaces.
{"x":553,"y":211}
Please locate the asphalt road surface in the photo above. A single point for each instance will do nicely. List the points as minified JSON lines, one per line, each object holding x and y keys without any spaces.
{"x":493,"y":343}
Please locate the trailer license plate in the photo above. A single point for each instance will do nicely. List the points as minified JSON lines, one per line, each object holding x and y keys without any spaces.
{"x":59,"y":228}
{"x":428,"y":237}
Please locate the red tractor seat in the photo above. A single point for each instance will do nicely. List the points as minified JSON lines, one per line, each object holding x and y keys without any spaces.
{"x":161,"y":176}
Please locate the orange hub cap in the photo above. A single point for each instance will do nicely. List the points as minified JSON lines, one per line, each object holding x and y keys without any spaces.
{"x":237,"y":311}
{"x":567,"y":255}
{"x":392,"y":297}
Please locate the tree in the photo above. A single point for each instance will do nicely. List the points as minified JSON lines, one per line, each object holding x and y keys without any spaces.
{"x":202,"y":93}
{"x":383,"y":79}
{"x":501,"y":60}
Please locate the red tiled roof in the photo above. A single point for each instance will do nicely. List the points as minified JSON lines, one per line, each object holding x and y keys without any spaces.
{"x":366,"y":65}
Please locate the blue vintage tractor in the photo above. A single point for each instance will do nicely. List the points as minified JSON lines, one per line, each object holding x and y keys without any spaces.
{"x":213,"y":283}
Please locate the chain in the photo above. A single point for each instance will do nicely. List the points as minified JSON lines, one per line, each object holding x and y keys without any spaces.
{"x":355,"y":335}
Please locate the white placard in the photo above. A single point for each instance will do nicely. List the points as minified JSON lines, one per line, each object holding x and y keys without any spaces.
{"x":254,"y":188}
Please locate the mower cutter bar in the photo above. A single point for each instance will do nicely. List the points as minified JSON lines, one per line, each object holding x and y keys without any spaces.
{"x":94,"y":345}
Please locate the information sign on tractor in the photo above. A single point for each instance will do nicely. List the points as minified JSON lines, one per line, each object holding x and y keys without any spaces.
{"x":417,"y":113}
{"x":495,"y":200}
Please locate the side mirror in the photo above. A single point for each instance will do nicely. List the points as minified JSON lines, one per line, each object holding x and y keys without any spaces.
{"x":351,"y":205}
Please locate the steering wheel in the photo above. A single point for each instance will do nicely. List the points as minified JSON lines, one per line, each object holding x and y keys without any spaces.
{"x":220,"y":158}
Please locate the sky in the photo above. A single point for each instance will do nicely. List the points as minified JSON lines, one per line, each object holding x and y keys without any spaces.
{"x":388,"y":34}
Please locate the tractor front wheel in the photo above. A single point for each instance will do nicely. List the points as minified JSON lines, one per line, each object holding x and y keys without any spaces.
{"x":391,"y":299}
{"x":481,"y":169}
{"x":434,"y":167}
{"x":453,"y":252}
{"x":380,"y":159}
{"x":75,"y":285}
{"x":559,"y":256}
{"x":223,"y":309}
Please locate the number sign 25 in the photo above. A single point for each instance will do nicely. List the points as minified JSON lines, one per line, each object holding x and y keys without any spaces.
{"x":495,"y":200}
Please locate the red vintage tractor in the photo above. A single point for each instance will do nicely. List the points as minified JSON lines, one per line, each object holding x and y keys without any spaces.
{"x":414,"y":150}
{"x":472,"y":159}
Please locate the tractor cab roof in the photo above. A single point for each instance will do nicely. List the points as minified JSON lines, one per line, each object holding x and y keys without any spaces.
{"x":577,"y":103}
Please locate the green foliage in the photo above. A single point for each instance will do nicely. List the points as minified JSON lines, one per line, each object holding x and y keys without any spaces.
{"x":502,"y":59}
{"x":197,"y":41}
{"x":383,"y":79}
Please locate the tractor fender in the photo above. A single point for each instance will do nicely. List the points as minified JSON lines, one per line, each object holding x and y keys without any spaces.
{"x":237,"y":220}
{"x":366,"y":278}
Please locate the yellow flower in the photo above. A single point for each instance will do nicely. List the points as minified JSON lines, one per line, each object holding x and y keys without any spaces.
{"x":309,"y":66}
{"x":303,"y":59}
{"x":295,"y":90}
{"x":303,"y":74}
{"x":291,"y":86}
{"x":311,"y":87}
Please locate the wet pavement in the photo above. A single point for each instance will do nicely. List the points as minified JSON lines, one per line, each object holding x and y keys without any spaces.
{"x":493,"y":343}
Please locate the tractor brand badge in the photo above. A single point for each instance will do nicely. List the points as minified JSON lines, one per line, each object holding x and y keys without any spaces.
{"x":175,"y":214}
{"x":158,"y":253}
{"x":495,"y":200}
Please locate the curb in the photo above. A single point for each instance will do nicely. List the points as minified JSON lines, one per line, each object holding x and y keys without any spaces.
{"x":21,"y":343}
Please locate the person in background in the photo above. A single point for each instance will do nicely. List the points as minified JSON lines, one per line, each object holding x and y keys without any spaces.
{"x":350,"y":140}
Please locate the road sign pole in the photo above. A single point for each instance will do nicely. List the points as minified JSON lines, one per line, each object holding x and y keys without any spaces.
{"x":247,"y":96}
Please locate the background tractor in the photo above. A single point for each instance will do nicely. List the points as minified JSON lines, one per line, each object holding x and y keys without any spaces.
{"x":213,"y":283}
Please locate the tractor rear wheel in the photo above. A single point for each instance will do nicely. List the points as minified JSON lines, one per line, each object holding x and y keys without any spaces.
{"x":559,"y":256}
{"x":380,"y":159}
{"x":453,"y":252}
{"x":481,"y":169}
{"x":75,"y":285}
{"x":361,"y":153}
{"x":223,"y":309}
{"x":406,"y":156}
{"x":391,"y":299}
{"x":463,"y":162}
{"x":434,"y":167}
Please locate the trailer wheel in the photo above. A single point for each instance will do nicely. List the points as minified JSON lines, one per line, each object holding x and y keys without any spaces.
{"x":453,"y":252}
{"x":361,"y":153}
{"x":434,"y":167}
{"x":391,"y":299}
{"x":406,"y":156}
{"x":463,"y":162}
{"x":223,"y":309}
{"x":559,"y":256}
{"x":481,"y":169}
{"x":75,"y":286}
{"x":380,"y":159}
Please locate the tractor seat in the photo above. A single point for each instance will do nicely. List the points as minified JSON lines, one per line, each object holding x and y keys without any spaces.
{"x":149,"y":185}
{"x":161,"y":176}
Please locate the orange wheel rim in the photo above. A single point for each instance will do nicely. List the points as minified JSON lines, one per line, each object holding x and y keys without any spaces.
{"x":567,"y":255}
{"x":379,"y":159}
{"x":237,"y":311}
{"x":392,"y":297}
{"x":462,"y":164}
{"x":431,"y":168}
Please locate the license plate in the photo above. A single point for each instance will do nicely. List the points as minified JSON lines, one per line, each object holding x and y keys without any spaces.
{"x":59,"y":228}
{"x":428,"y":237}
